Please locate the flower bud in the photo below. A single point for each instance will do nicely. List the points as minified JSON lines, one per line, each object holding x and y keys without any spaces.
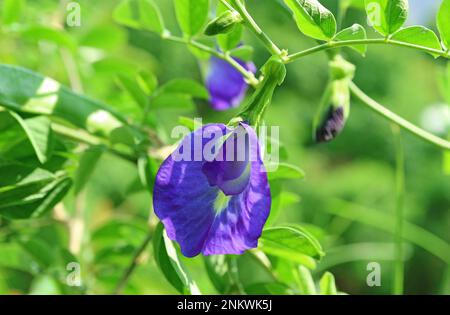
{"x":336,"y":101}
{"x":223,"y":24}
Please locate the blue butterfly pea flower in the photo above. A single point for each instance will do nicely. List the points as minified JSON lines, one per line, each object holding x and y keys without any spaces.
{"x":216,"y":201}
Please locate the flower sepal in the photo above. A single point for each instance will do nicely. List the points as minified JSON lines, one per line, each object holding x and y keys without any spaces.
{"x":274,"y":73}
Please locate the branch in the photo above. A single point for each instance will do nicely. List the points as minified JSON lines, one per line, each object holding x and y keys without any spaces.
{"x":133,"y":264}
{"x":249,"y":76}
{"x":401,"y":122}
{"x":253,"y":26}
{"x":376,"y":41}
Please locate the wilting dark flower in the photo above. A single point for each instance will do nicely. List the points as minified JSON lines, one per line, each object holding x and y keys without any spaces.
{"x":332,"y":125}
{"x":215,"y":201}
{"x":226,"y":85}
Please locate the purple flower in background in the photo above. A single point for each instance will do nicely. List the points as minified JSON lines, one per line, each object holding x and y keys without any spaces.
{"x":226,"y":86}
{"x":215,"y":201}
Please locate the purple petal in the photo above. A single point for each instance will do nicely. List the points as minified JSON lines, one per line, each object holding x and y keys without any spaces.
{"x":230,"y":169}
{"x":199,"y":216}
{"x":225,"y":84}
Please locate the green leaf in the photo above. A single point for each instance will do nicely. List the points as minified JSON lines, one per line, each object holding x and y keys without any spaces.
{"x":230,"y":40}
{"x":146,"y":170}
{"x":187,"y":122}
{"x":327,"y":284}
{"x":244,"y":53}
{"x":14,"y":257}
{"x":291,"y":243}
{"x":178,"y":93}
{"x":191,"y":15}
{"x":45,"y":33}
{"x":86,"y":166}
{"x":167,"y":259}
{"x":107,"y":37}
{"x":134,"y":89}
{"x":357,"y":4}
{"x":418,"y":35}
{"x":12,"y":11}
{"x":306,"y":281}
{"x":39,"y":132}
{"x":25,"y":91}
{"x":140,"y":14}
{"x":186,"y":87}
{"x":281,"y":200}
{"x":40,"y":251}
{"x":286,"y":171}
{"x":29,"y":192}
{"x":147,"y":81}
{"x":443,"y":22}
{"x":313,"y":19}
{"x":446,"y":163}
{"x":387,"y":16}
{"x":354,"y":32}
{"x":164,"y":101}
{"x":60,"y":188}
{"x":218,"y":271}
{"x":45,"y":285}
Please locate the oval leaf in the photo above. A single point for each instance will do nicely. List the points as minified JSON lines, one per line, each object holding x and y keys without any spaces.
{"x":166,"y":258}
{"x":328,"y":284}
{"x":191,"y":15}
{"x":355,"y":32}
{"x":418,"y":35}
{"x":313,"y":19}
{"x":291,"y":243}
{"x":43,"y":33}
{"x":39,"y":132}
{"x":284,"y":171}
{"x":139,"y":14}
{"x":387,"y":16}
{"x":185,"y":87}
{"x":443,"y":22}
{"x":25,"y":91}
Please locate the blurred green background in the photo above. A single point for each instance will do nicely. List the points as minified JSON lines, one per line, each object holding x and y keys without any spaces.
{"x":347,"y":198}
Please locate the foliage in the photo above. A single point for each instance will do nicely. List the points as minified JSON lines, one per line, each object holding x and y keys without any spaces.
{"x":77,"y":174}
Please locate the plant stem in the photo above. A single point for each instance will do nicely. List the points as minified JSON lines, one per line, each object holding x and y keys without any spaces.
{"x":403,"y":123}
{"x":133,"y":264}
{"x":399,"y":270}
{"x":225,"y":3}
{"x":382,"y":41}
{"x":253,"y":26}
{"x":249,"y":76}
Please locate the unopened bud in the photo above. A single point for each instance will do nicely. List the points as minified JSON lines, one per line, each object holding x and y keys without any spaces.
{"x":337,"y":111}
{"x":223,"y":24}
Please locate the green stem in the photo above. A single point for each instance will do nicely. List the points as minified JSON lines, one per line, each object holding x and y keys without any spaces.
{"x":401,"y":122}
{"x":254,"y":27}
{"x":225,"y":3}
{"x":382,"y":41}
{"x":399,"y":269}
{"x":133,"y":264}
{"x":249,"y":76}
